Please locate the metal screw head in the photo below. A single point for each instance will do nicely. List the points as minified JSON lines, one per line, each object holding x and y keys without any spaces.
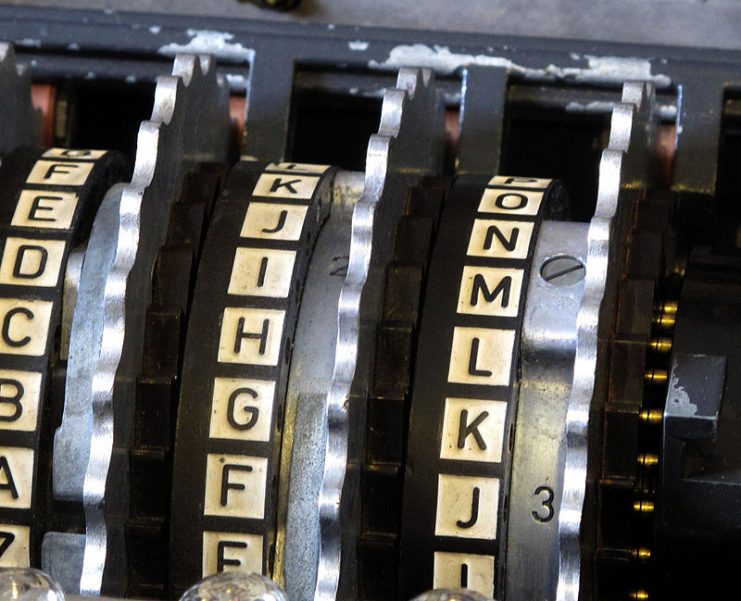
{"x":563,"y":270}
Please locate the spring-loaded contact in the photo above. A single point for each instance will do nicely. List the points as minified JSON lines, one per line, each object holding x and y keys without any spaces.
{"x":641,"y":554}
{"x":664,"y":318}
{"x":644,"y":506}
{"x":653,"y":417}
{"x":648,"y":460}
{"x":656,"y":376}
{"x":660,"y":344}
{"x":665,"y":315}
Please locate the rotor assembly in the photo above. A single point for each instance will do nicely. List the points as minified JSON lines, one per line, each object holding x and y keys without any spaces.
{"x":366,"y":330}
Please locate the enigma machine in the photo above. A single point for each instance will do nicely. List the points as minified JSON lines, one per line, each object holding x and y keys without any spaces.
{"x":367,"y":311}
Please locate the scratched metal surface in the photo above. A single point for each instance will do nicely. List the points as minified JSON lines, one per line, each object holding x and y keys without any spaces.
{"x":695,"y":23}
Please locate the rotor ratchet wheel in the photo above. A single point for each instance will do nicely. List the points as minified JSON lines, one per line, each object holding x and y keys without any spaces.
{"x":158,"y":384}
{"x":20,"y":123}
{"x":98,"y":462}
{"x":388,"y":398}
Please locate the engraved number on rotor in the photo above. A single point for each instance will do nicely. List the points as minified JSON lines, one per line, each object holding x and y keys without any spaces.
{"x":545,"y":512}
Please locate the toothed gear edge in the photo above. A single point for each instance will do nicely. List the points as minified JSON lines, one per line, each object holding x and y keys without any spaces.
{"x":413,"y":87}
{"x":627,"y":117}
{"x":189,"y":119}
{"x":20,"y":123}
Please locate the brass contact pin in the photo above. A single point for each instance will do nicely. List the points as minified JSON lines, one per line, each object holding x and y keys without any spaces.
{"x":665,"y":321}
{"x":648,"y":460}
{"x":644,"y":506}
{"x":656,"y":376}
{"x":669,"y":307}
{"x":665,"y":315}
{"x":660,"y":344}
{"x":639,"y":595}
{"x":641,"y":554}
{"x":651,"y":416}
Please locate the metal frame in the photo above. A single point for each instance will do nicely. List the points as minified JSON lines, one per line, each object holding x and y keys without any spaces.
{"x":272,"y":59}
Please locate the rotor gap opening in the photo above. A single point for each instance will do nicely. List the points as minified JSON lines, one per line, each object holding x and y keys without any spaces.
{"x":332,"y":129}
{"x":550,"y":133}
{"x":727,"y":208}
{"x":101,"y":114}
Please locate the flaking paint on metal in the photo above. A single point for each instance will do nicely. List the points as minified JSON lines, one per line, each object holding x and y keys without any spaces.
{"x":598,"y":69}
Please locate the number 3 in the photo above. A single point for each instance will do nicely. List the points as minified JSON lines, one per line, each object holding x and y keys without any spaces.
{"x":544,"y":513}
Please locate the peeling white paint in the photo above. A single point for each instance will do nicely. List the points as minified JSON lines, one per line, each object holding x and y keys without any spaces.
{"x":439,"y":58}
{"x":677,"y":400}
{"x":616,"y":68}
{"x":358,"y":45}
{"x":665,"y":111}
{"x":331,"y":26}
{"x":74,"y":46}
{"x":237,"y":82}
{"x":218,"y":43}
{"x":602,"y":69}
{"x":155,"y":29}
{"x":130,"y":79}
{"x":596,"y":106}
{"x":29,"y":43}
